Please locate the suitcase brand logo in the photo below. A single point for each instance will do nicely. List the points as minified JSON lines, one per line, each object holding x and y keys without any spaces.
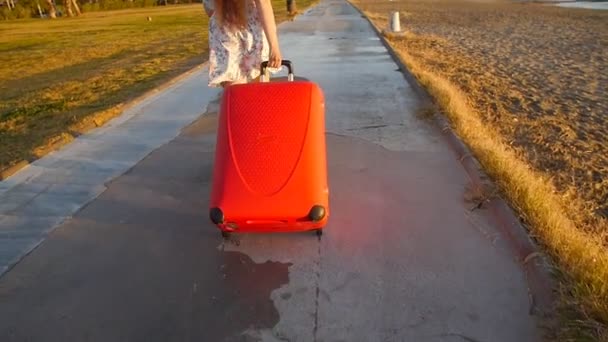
{"x":265,"y":138}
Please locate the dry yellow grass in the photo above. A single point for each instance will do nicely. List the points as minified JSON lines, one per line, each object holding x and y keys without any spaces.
{"x":524,"y":86}
{"x":59,"y":78}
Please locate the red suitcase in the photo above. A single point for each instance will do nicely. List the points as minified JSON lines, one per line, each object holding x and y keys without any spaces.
{"x":270,"y":171}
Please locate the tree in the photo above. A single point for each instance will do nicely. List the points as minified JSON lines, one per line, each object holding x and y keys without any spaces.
{"x":52,"y":9}
{"x":69,"y":4}
{"x":10,"y":4}
{"x":291,"y":7}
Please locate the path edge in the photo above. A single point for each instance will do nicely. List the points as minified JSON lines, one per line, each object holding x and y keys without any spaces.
{"x":62,"y":140}
{"x":535,"y":264}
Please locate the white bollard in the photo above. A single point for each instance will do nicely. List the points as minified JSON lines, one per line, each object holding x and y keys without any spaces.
{"x":395,"y":24}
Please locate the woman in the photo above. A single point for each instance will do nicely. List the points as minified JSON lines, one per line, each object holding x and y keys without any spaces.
{"x":242,"y":34}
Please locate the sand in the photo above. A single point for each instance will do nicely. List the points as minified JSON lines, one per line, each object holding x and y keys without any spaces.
{"x":536,"y":72}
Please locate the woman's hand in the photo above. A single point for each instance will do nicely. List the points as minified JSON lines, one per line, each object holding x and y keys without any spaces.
{"x":275,"y":58}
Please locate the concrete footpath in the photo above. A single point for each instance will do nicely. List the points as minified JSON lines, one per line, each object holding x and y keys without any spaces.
{"x":126,"y":252}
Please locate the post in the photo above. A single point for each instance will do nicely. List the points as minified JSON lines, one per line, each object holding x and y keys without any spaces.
{"x":395,"y":23}
{"x":291,"y":6}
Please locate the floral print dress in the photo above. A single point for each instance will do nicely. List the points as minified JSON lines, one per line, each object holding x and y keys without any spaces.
{"x":236,"y":55}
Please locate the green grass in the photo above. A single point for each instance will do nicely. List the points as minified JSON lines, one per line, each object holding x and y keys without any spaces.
{"x":60,"y":77}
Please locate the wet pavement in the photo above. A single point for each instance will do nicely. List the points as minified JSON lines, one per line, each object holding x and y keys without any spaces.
{"x":403,"y":257}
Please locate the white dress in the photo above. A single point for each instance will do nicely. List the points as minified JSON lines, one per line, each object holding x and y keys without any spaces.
{"x":235,"y":55}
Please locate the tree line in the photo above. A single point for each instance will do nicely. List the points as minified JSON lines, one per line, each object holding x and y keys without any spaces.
{"x":19,"y":9}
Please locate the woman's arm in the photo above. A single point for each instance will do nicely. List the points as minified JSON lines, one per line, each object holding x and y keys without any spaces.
{"x":270,"y":28}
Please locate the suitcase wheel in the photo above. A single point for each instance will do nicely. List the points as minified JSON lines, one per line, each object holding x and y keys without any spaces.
{"x":216,"y":215}
{"x":225,"y":234}
{"x":316,"y":213}
{"x":319,"y":232}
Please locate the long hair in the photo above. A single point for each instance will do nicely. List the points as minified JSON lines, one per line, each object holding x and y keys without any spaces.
{"x":232,"y":13}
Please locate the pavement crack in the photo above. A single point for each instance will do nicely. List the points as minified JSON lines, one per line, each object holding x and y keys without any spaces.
{"x":367,"y":127}
{"x":317,"y":292}
{"x":27,"y":202}
{"x":479,"y":226}
{"x":464,"y":337}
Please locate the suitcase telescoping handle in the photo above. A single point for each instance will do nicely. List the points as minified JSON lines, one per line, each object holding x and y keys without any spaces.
{"x":285,"y":62}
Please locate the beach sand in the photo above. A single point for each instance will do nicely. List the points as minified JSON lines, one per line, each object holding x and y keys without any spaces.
{"x":537,"y":73}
